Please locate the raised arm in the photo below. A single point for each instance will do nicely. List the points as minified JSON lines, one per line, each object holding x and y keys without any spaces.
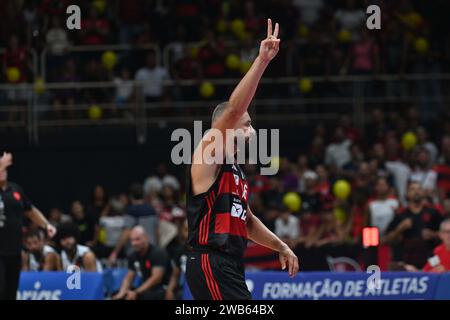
{"x":5,"y":161}
{"x":204,"y":172}
{"x":243,"y":94}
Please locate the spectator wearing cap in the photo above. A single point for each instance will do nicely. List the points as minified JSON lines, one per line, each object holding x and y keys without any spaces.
{"x":311,"y":198}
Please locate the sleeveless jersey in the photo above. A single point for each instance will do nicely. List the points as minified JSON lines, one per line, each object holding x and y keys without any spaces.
{"x":77,"y":259}
{"x":36,"y":264}
{"x":217,"y":218}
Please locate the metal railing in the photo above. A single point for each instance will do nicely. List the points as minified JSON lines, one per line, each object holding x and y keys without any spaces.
{"x":87,"y":104}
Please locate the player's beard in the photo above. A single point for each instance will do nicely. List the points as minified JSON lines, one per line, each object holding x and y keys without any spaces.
{"x":246,"y":145}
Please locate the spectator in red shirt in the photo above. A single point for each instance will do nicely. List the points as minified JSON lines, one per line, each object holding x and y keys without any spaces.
{"x":442,"y":251}
{"x":440,"y":262}
{"x":184,"y":68}
{"x":443,"y":169}
{"x":130,"y":14}
{"x":94,"y":29}
{"x":211,"y":56}
{"x":17,"y":56}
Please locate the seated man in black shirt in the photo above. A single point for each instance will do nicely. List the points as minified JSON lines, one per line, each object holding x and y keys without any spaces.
{"x":415,"y":229}
{"x":139,"y":213}
{"x":148,"y":262}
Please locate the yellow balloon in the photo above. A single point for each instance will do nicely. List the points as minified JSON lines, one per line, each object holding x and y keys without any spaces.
{"x":233,"y":62}
{"x":100,"y":5}
{"x":245,"y":66}
{"x":95,"y":112}
{"x":305,"y":85}
{"x":413,"y":19}
{"x":221,"y":26}
{"x":303,"y":31}
{"x":237,"y":26}
{"x":275,"y":163}
{"x":340,"y":214}
{"x":13,"y":74}
{"x":194,"y":52}
{"x":102,"y":236}
{"x":244,"y":35}
{"x":409,"y":141}
{"x":292,"y":201}
{"x":344,"y":36}
{"x":342,"y":189}
{"x":207,"y":89}
{"x":39,"y":86}
{"x":421,"y":45}
{"x":109,"y":59}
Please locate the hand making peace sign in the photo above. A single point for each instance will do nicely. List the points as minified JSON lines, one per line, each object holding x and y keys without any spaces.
{"x":270,"y":46}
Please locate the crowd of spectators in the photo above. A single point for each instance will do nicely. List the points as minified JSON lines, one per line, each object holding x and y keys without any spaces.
{"x":320,"y":38}
{"x":404,"y":192}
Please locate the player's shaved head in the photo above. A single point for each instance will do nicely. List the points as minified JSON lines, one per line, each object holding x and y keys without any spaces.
{"x":218,"y":111}
{"x":138,"y":231}
{"x":139,"y":239}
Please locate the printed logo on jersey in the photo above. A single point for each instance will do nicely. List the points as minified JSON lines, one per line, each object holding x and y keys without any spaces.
{"x":17,"y":196}
{"x":238,"y":210}
{"x":236,"y":179}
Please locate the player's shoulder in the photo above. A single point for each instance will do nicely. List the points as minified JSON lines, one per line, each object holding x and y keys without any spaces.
{"x":156,"y":250}
{"x":14,"y":186}
{"x":439,"y":249}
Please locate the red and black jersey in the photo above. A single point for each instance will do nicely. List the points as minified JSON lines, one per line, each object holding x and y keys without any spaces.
{"x":217,"y":218}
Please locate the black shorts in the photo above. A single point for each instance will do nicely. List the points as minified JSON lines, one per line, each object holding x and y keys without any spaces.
{"x":212,"y":275}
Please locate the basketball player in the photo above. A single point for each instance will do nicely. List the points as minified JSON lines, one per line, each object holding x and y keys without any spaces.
{"x":219,"y":218}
